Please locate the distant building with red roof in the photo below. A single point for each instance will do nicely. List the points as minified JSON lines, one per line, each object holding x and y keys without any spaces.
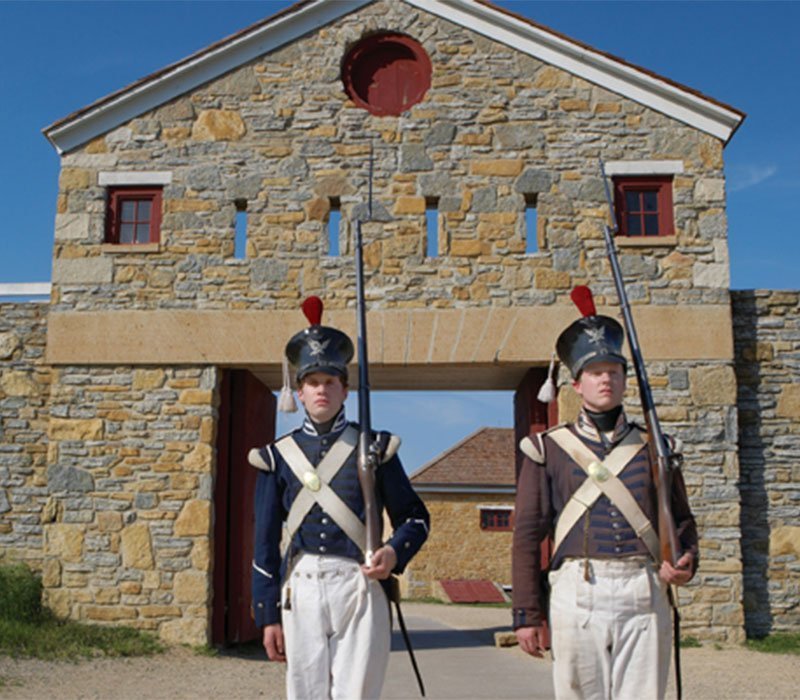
{"x":469,"y":490}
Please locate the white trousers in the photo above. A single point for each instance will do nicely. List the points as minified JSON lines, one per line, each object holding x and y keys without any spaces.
{"x":610,"y":635}
{"x":337,"y":632}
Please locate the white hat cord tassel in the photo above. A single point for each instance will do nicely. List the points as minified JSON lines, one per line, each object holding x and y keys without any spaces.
{"x":548,"y":391}
{"x":286,"y":402}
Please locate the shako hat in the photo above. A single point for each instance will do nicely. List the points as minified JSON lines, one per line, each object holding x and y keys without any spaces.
{"x":319,"y":348}
{"x":592,"y":338}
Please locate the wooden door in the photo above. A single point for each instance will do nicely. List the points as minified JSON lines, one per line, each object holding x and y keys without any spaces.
{"x":246,"y":420}
{"x":531,"y":415}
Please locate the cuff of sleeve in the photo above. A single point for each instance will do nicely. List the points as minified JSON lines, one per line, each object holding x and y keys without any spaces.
{"x":404,"y":551}
{"x":265,"y":613}
{"x":526,"y":617}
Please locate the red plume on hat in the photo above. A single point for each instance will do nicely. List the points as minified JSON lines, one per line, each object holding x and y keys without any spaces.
{"x":582,"y":298}
{"x":312,"y":308}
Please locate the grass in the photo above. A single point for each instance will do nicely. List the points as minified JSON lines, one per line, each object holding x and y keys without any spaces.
{"x":690,"y":642}
{"x":438,"y":601}
{"x":29,"y":630}
{"x":777,"y":643}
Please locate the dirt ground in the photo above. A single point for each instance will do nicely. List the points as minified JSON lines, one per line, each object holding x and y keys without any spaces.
{"x":709,"y":673}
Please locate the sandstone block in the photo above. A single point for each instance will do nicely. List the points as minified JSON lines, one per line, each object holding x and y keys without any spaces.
{"x":9,"y":342}
{"x":95,"y":270}
{"x":190,"y":587}
{"x":109,"y":521}
{"x":713,"y":386}
{"x":497,"y":167}
{"x":552,"y":279}
{"x":108,"y":613}
{"x":59,"y":602}
{"x":75,"y":429}
{"x":409,"y":205}
{"x":785,"y":540}
{"x":465,"y":247}
{"x":184,"y":631}
{"x":194,"y":519}
{"x":789,"y":402}
{"x":51,"y":573}
{"x":201,"y":555}
{"x":64,"y":541}
{"x":137,"y":550}
{"x":196,"y":397}
{"x":146,"y":379}
{"x":15,"y":383}
{"x":199,"y":459}
{"x":218,"y":125}
{"x":73,"y":179}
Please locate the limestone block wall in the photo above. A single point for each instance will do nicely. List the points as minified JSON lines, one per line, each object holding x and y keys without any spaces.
{"x":24,"y":411}
{"x":127,"y":536}
{"x":457,"y":547}
{"x":767,"y":333}
{"x":279,"y":138}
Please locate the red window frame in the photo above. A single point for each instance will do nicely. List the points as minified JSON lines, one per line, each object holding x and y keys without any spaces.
{"x":117,"y":198}
{"x":496,"y":519}
{"x":642,"y":213}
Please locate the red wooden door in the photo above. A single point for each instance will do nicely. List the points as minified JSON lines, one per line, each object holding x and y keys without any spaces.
{"x":531,"y":415}
{"x":246,"y":420}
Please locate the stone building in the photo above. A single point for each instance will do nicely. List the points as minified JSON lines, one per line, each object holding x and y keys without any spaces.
{"x":129,"y":401}
{"x":469,"y":491}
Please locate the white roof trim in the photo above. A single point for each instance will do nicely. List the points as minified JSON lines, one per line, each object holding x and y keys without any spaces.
{"x":589,"y":64}
{"x":112,"y":179}
{"x":25,"y":289}
{"x":644,"y":167}
{"x":612,"y":74}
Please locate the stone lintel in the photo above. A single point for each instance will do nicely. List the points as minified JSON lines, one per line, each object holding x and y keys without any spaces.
{"x":443,"y":345}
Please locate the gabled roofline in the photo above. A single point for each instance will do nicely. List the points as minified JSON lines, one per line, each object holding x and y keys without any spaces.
{"x":442,"y":455}
{"x":614,"y":74}
{"x":178,"y":78}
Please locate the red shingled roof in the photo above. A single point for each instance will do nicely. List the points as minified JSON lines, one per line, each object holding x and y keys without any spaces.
{"x":484,"y":458}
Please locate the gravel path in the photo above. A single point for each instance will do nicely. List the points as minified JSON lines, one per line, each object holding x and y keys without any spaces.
{"x":454,"y":650}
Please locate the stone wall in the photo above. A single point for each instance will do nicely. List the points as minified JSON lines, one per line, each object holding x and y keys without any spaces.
{"x":130,"y":458}
{"x":767,"y":333}
{"x":128,"y":527}
{"x":457,"y":548}
{"x":24,"y":411}
{"x":497,"y":129}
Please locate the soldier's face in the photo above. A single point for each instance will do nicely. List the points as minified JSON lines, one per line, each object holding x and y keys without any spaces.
{"x":322,"y":395}
{"x":601,"y":385}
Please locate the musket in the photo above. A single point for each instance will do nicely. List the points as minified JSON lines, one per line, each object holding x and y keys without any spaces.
{"x":368,"y":450}
{"x":661,"y":456}
{"x":368,"y":447}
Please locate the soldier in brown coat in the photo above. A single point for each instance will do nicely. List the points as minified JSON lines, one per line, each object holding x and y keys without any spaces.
{"x":589,"y":485}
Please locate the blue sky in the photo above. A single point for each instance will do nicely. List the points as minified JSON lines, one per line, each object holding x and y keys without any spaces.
{"x":56,"y":57}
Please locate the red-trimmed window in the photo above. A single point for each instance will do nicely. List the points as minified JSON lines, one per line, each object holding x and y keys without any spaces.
{"x":644,"y":206}
{"x":497,"y":519}
{"x":134,"y":215}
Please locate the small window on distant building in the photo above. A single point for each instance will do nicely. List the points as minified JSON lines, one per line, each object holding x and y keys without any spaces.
{"x":497,"y":519}
{"x":431,"y":228}
{"x":644,"y":206}
{"x":134,"y":215}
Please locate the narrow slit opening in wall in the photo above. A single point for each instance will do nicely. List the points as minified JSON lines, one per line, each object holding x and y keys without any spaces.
{"x":240,"y":237}
{"x":431,"y":228}
{"x":334,"y":221}
{"x":531,"y":223}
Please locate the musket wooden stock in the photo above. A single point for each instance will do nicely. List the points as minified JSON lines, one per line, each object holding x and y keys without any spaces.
{"x":660,"y":454}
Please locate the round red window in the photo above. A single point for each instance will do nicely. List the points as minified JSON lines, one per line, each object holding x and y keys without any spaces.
{"x":386,"y":73}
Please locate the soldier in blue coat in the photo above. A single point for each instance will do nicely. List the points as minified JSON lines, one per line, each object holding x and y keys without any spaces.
{"x":321,"y":609}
